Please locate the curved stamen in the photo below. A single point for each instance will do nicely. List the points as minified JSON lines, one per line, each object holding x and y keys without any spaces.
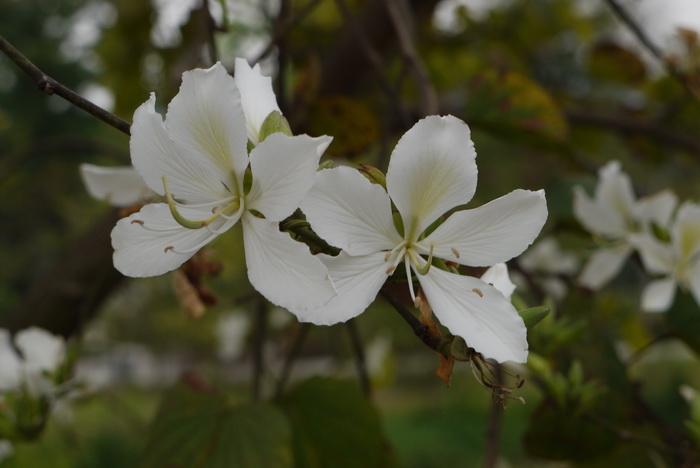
{"x":425,"y":268}
{"x":410,"y":281}
{"x":189,"y":224}
{"x":181,"y":220}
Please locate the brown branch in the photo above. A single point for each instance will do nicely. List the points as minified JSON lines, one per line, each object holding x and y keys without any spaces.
{"x":359,"y":357}
{"x":259,"y":337}
{"x":493,"y":427}
{"x":50,"y":86}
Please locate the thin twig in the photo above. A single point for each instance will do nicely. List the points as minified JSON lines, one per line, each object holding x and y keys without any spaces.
{"x":399,"y":18}
{"x":291,"y":358}
{"x":260,"y":327}
{"x":493,"y":428}
{"x":50,"y":86}
{"x":211,"y":28}
{"x":282,"y":56}
{"x":359,"y":357}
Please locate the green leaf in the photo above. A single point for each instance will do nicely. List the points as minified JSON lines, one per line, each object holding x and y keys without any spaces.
{"x":202,"y":430}
{"x":534,"y":315}
{"x":334,"y":425}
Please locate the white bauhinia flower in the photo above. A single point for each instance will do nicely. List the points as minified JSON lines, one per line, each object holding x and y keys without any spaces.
{"x":677,"y":261}
{"x":432,"y":171}
{"x":119,"y":186}
{"x":497,"y":276}
{"x":197,"y":159}
{"x":614,"y":214}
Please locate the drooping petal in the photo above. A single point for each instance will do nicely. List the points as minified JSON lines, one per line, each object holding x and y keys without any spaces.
{"x":10,"y":364}
{"x":657,"y":208}
{"x":350,"y":212}
{"x":432,"y":170}
{"x":257,"y":97}
{"x":119,"y":186}
{"x":357,"y":281}
{"x":596,"y":217}
{"x":284,"y":270}
{"x":492,"y":233}
{"x":191,"y":178}
{"x":206,"y":119}
{"x":658,"y":258}
{"x":615,"y":190}
{"x":497,"y":276}
{"x":477,"y":312}
{"x":151,"y":242}
{"x":284,"y":169}
{"x":41,"y":350}
{"x":604,"y":265}
{"x":658,"y":295}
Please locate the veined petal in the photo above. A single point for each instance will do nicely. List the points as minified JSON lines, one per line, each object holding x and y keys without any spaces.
{"x":206,"y":119}
{"x":10,"y":364}
{"x":257,"y":97}
{"x":597,"y":217}
{"x":357,"y":281}
{"x":477,"y":312}
{"x":432,"y":170}
{"x":151,"y":242}
{"x":284,"y":169}
{"x":615,"y":190}
{"x":657,"y":208}
{"x":350,"y":212}
{"x":153,"y":153}
{"x":41,"y":350}
{"x":119,"y":186}
{"x":658,"y":295}
{"x":497,"y":276}
{"x":603,"y":265}
{"x":657,"y":257}
{"x":492,"y":233}
{"x":283,"y":270}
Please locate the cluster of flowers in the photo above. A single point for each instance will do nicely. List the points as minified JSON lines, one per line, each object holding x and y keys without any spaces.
{"x":33,"y":378}
{"x":224,"y":154}
{"x":666,"y":236}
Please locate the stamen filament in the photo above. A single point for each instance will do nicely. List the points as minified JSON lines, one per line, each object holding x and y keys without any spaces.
{"x":425,"y":268}
{"x":189,"y":224}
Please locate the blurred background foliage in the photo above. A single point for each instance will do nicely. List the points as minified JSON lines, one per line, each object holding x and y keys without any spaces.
{"x":551,"y":91}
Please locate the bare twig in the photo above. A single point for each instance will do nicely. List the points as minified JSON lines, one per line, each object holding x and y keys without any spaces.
{"x":50,"y":86}
{"x":493,"y":428}
{"x":302,"y":333}
{"x":399,"y":14}
{"x":212,"y":28}
{"x":359,"y":357}
{"x":260,"y":327}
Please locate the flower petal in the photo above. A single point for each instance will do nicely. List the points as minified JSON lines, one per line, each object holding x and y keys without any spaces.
{"x":657,"y":208}
{"x":477,"y":312}
{"x":657,"y":257}
{"x":257,"y":97}
{"x":357,"y":281}
{"x":284,"y":270}
{"x":10,"y":364}
{"x":151,"y":242}
{"x":492,"y":233}
{"x":284,"y":169}
{"x":615,"y":190}
{"x":658,"y":295}
{"x":603,"y":265}
{"x":350,"y":212}
{"x":597,"y":217}
{"x":119,"y":186}
{"x":497,"y":276}
{"x":41,"y":350}
{"x":154,"y":155}
{"x":685,"y":233}
{"x":432,"y":170}
{"x":206,"y":119}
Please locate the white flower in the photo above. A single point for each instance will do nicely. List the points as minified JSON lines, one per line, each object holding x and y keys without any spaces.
{"x":40,"y":354}
{"x":118,"y":186}
{"x":6,"y":449}
{"x":614,"y":214}
{"x":548,"y":261}
{"x":231,"y":332}
{"x":497,"y":276}
{"x":197,"y":158}
{"x":432,"y":171}
{"x":677,"y":261}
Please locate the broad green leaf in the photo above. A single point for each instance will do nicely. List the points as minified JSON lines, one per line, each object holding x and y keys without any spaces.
{"x":334,"y":426}
{"x":202,"y":430}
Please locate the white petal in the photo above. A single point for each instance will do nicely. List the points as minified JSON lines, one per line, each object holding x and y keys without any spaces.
{"x":685,"y":233}
{"x":119,"y":186}
{"x":283,"y":270}
{"x":350,"y":212}
{"x":658,"y":295}
{"x":492,"y":233}
{"x":357,"y":281}
{"x":41,"y":350}
{"x":206,"y":119}
{"x":477,"y":312}
{"x":431,"y":171}
{"x":257,"y":97}
{"x":284,"y":169}
{"x":597,"y":217}
{"x":497,"y":276}
{"x":160,"y":244}
{"x":191,"y":178}
{"x":604,"y":265}
{"x":615,"y":190}
{"x":10,"y":364}
{"x":657,"y":257}
{"x":657,"y":208}
{"x":692,"y":280}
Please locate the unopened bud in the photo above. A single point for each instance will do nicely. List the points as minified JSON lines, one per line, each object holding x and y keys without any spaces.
{"x":373,"y":174}
{"x":274,"y":123}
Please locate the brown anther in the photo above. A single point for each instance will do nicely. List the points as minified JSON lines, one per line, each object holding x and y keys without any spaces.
{"x":213,"y":210}
{"x":137,"y":221}
{"x":478,"y":291}
{"x":390,"y":270}
{"x":418,"y":302}
{"x":456,"y":252}
{"x":169,"y":248}
{"x":387,"y":256}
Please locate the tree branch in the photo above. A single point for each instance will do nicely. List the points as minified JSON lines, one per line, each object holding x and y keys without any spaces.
{"x":50,"y":86}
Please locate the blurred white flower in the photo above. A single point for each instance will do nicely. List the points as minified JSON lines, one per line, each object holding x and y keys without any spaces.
{"x":118,"y":186}
{"x":614,"y":214}
{"x":231,"y":331}
{"x":548,"y":261}
{"x":6,"y":449}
